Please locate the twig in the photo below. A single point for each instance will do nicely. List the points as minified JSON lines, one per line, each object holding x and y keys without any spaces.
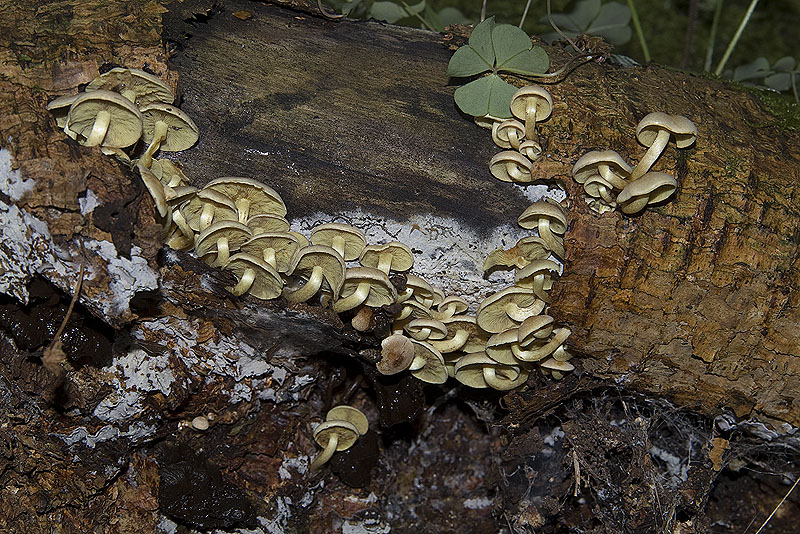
{"x":524,"y":13}
{"x":558,"y":30}
{"x":54,"y":354}
{"x":736,"y":36}
{"x":713,"y":36}
{"x":326,"y":14}
{"x":639,"y":33}
{"x":779,"y":505}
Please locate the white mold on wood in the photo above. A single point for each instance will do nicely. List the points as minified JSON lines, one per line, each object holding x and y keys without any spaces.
{"x":11,"y":182}
{"x":126,"y":276}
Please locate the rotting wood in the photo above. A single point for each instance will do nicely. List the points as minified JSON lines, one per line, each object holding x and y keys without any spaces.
{"x":696,"y":300}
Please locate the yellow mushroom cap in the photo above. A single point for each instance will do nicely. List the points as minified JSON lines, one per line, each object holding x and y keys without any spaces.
{"x":347,"y":240}
{"x":394,"y":256}
{"x":352,"y":415}
{"x":143,"y":87}
{"x":507,"y":309}
{"x":124,"y":126}
{"x":256,"y":277}
{"x":397,"y":353}
{"x":511,"y":166}
{"x":651,"y":188}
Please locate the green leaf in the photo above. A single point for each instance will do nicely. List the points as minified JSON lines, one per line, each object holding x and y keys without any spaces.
{"x":528,"y":62}
{"x":415,"y":9}
{"x":584,"y":13}
{"x":784,"y":64}
{"x":508,"y":41}
{"x":481,"y":40}
{"x":610,"y":21}
{"x":487,"y":95}
{"x":781,"y":81}
{"x":451,"y":15}
{"x":388,"y":11}
{"x":466,"y":62}
{"x":758,"y":68}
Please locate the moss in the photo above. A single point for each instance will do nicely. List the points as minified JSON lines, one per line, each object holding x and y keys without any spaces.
{"x":783,"y":107}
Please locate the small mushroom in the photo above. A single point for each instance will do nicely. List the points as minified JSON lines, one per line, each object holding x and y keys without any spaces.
{"x":654,"y":131}
{"x":601,"y":194}
{"x":651,"y":188}
{"x":461,"y":327}
{"x":428,"y":364}
{"x":365,"y":286}
{"x":511,"y":166}
{"x":533,"y":329}
{"x":525,"y":251}
{"x":530,"y":149}
{"x":156,"y":190}
{"x":136,"y":85}
{"x":397,"y":353}
{"x":352,"y":415}
{"x":487,"y":121}
{"x":347,"y":240}
{"x":419,"y":289}
{"x":508,"y":308}
{"x":477,"y":370}
{"x":317,"y":263}
{"x":538,"y":275}
{"x":333,"y":436}
{"x":255,"y":277}
{"x":450,"y":306}
{"x":539,"y":349}
{"x":269,"y":223}
{"x":208,"y":207}
{"x":103,"y":117}
{"x":531,"y":104}
{"x":168,"y":173}
{"x":508,"y":134}
{"x":548,"y":217}
{"x":426,"y":329}
{"x":499,"y":346}
{"x":167,"y":128}
{"x":251,"y":197}
{"x":276,"y":248}
{"x":59,"y":107}
{"x":215,"y":243}
{"x":607,"y":163}
{"x":393,"y":256}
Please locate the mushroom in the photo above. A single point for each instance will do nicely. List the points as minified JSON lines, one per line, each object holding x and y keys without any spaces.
{"x":428,"y":364}
{"x":103,"y":117}
{"x":511,"y":166}
{"x":477,"y":370}
{"x":550,"y":220}
{"x":349,"y":414}
{"x":215,"y":243}
{"x":556,"y":367}
{"x":251,"y":197}
{"x":600,"y":191}
{"x":135,"y":85}
{"x":156,"y":190}
{"x":168,"y":173}
{"x":317,"y":263}
{"x":450,"y":306}
{"x":166,"y":128}
{"x":539,"y":349}
{"x":365,"y":286}
{"x":654,"y":132}
{"x":538,"y":275}
{"x":397,"y":353}
{"x":533,"y":329}
{"x":347,"y":240}
{"x":59,"y":107}
{"x":487,"y":121}
{"x":508,"y":134}
{"x":208,"y":207}
{"x":530,"y":149}
{"x":255,"y":277}
{"x":426,"y":329}
{"x":393,"y":256}
{"x":412,"y":309}
{"x":526,"y":250}
{"x":419,"y":289}
{"x":508,"y":308}
{"x":333,"y":436}
{"x":276,"y":248}
{"x":606,"y":163}
{"x":651,"y":188}
{"x":499,"y":346}
{"x":461,"y":326}
{"x":531,"y":104}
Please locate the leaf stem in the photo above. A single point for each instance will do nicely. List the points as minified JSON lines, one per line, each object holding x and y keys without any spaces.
{"x":557,"y":29}
{"x":421,"y":18}
{"x":639,"y":33}
{"x":736,"y":36}
{"x":713,"y":36}
{"x":524,"y":13}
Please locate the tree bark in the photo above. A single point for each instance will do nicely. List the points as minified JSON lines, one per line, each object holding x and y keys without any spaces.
{"x":694,"y":301}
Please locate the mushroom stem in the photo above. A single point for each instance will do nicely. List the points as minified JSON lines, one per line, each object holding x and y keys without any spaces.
{"x":223,"y":252}
{"x":605,"y":171}
{"x":309,"y":289}
{"x":494,"y":381}
{"x":180,"y":222}
{"x":338,"y":245}
{"x":243,"y":207}
{"x":130,"y":94}
{"x":385,"y":262}
{"x":520,"y":314}
{"x":159,"y":134}
{"x":326,"y":454}
{"x":99,"y":129}
{"x":452,"y":344}
{"x":530,"y":119}
{"x":248,"y":277}
{"x":355,"y":299}
{"x":422,"y":334}
{"x":542,"y":351}
{"x":553,"y":242}
{"x":269,"y":257}
{"x":652,"y":154}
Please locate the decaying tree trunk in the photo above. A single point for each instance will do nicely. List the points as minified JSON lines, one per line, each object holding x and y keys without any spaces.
{"x":693,"y":303}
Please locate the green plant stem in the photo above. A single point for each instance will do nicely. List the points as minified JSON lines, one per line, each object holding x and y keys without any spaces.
{"x":794,"y":85}
{"x":483,"y":11}
{"x":736,"y":36}
{"x":421,"y":18}
{"x":524,"y":14}
{"x":580,"y":60}
{"x":639,"y":33}
{"x":713,"y":36}
{"x":557,"y":29}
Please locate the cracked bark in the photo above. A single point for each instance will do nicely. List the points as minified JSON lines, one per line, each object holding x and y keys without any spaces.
{"x":695,"y":301}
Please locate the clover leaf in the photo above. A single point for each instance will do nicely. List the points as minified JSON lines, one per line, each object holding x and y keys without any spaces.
{"x":496,"y":48}
{"x":609,"y":21}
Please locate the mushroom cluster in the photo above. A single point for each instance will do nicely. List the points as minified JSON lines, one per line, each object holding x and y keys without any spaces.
{"x":530,"y":105}
{"x":610,"y":182}
{"x":122,"y":107}
{"x":239,"y":224}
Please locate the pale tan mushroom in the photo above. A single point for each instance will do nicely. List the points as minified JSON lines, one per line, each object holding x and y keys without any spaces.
{"x":477,"y":370}
{"x":365,"y":286}
{"x":208,"y":207}
{"x":166,"y":128}
{"x":333,"y":436}
{"x":255,"y":277}
{"x":526,"y":250}
{"x":317,"y":263}
{"x":393,"y":256}
{"x":511,"y":166}
{"x":428,"y":364}
{"x":531,"y":104}
{"x":459,"y":330}
{"x":548,"y":217}
{"x":654,"y":131}
{"x":276,"y":248}
{"x":251,"y":197}
{"x":508,"y":308}
{"x":607,"y":163}
{"x":136,"y":85}
{"x":215,"y":243}
{"x":651,"y":188}
{"x":397,"y":353}
{"x":538,"y":275}
{"x":347,"y":240}
{"x":508,"y":134}
{"x":103,"y":117}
